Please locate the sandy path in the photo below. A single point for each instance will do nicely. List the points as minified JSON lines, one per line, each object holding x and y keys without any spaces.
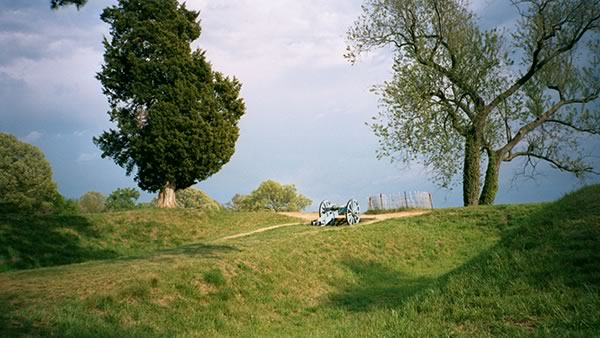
{"x":257,"y":231}
{"x":311,"y":216}
{"x":308,"y":217}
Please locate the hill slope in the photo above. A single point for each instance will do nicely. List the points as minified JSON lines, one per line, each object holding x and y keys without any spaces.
{"x":30,"y":242}
{"x":487,"y":271}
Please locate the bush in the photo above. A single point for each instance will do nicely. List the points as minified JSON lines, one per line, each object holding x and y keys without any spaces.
{"x":65,"y":206}
{"x":122,"y":199}
{"x":25,"y":177}
{"x":272,"y":196}
{"x":92,"y":201}
{"x":192,"y":198}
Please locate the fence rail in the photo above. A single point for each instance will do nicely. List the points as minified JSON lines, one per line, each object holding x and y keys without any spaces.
{"x":401,"y":200}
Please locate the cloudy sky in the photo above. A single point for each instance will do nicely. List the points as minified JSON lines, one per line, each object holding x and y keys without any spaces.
{"x":306,"y":105}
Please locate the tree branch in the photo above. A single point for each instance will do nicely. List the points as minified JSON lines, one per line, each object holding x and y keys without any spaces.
{"x":452,"y":111}
{"x":537,"y":64}
{"x":593,"y":131}
{"x":561,"y":166}
{"x":524,"y":130}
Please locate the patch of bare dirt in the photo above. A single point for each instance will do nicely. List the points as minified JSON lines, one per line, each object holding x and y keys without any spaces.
{"x":311,"y":216}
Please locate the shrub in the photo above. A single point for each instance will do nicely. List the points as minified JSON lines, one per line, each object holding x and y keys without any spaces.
{"x":25,"y":177}
{"x":192,"y":198}
{"x":272,"y":196}
{"x":92,"y":201}
{"x":122,"y":199}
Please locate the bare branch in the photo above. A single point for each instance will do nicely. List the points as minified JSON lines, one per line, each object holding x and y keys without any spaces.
{"x":594,"y":131}
{"x":562,"y":166}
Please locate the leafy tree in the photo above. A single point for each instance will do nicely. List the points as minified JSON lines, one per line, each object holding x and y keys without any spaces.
{"x":55,"y":4}
{"x":237,"y":203}
{"x":92,"y":201}
{"x":273,"y":196}
{"x":192,"y":198}
{"x":459,"y":100}
{"x":176,"y":118}
{"x":25,"y":177}
{"x":122,"y":199}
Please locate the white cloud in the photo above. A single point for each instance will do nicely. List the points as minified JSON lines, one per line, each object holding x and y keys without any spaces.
{"x":32,"y":137}
{"x":86,"y":157}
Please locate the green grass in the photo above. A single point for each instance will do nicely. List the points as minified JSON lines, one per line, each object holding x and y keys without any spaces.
{"x":388,"y":211}
{"x":512,"y":270}
{"x":31,"y":242}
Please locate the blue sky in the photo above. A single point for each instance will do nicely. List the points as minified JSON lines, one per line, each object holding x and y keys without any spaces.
{"x":306,"y":105}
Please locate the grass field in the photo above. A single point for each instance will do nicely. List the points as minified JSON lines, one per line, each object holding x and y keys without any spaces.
{"x":514,"y":270}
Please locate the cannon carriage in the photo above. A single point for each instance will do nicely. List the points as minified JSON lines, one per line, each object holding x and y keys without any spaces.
{"x":328,"y":212}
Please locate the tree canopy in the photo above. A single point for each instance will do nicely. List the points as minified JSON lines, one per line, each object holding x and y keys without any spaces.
{"x":122,"y":199}
{"x":271,"y":196}
{"x":192,"y":198}
{"x":91,"y":202}
{"x":25,"y":177}
{"x":459,"y":91}
{"x":176,"y":118}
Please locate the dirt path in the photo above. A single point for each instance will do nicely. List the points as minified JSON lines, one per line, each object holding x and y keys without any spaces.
{"x":364,"y":219}
{"x":257,"y":231}
{"x":308,"y":217}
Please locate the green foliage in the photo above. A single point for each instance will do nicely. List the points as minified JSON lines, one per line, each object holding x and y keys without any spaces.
{"x":192,"y":198}
{"x":92,"y":201}
{"x":457,"y":93}
{"x":26,"y":183}
{"x":65,"y":206}
{"x":56,"y":4}
{"x":176,"y":118}
{"x":272,"y":196}
{"x":122,"y":199}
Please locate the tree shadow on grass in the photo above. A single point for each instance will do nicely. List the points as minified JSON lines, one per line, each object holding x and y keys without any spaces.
{"x":556,"y":247}
{"x":377,"y":286}
{"x":39,"y":241}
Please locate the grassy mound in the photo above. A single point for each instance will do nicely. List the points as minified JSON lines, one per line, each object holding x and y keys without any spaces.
{"x":487,"y":271}
{"x":31,"y":241}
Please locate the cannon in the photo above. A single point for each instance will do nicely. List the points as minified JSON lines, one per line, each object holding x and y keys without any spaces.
{"x":328,"y":213}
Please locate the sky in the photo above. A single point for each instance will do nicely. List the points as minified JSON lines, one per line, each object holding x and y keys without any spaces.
{"x":306,"y":105}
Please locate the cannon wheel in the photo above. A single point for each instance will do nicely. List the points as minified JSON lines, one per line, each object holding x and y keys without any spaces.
{"x":324,"y":207}
{"x":352,"y":212}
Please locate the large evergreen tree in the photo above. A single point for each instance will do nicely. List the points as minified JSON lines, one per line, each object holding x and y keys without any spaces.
{"x":176,"y":118}
{"x":460,"y":100}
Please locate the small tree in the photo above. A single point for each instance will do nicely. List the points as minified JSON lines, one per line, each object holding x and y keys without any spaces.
{"x":25,"y":177}
{"x":192,"y":198}
{"x":92,"y":201}
{"x":272,"y":196}
{"x":176,"y":118}
{"x":122,"y":199}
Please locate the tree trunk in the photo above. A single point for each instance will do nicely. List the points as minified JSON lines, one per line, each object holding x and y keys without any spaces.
{"x":166,"y":196}
{"x":490,"y":186}
{"x":471,"y":169}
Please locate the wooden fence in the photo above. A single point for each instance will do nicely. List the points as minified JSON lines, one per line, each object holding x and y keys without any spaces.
{"x":405,"y":200}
